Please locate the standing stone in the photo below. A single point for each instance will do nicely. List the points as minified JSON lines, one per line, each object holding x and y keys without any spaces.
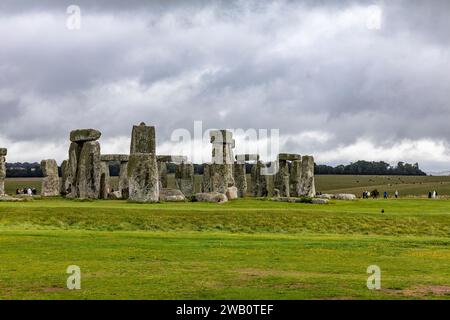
{"x":295,"y":177}
{"x":105,"y":185}
{"x":123,"y":180}
{"x":307,"y":185}
{"x":184,"y":178}
{"x":240,"y":179}
{"x":206,"y":178}
{"x":162,"y":171}
{"x":89,"y":171}
{"x":221,"y":177}
{"x":143,"y":139}
{"x":221,"y":170}
{"x":259,"y":181}
{"x":282,"y":178}
{"x":50,"y":182}
{"x":65,"y":178}
{"x":3,"y":153}
{"x":143,"y":177}
{"x":74,"y":157}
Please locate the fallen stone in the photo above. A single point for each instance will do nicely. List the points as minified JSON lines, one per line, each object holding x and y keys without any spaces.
{"x":325,"y":196}
{"x":84,"y":135}
{"x":319,"y":201}
{"x":232,"y":193}
{"x":344,"y":196}
{"x":116,"y":195}
{"x":171,"y":195}
{"x":10,"y":199}
{"x":211,"y":197}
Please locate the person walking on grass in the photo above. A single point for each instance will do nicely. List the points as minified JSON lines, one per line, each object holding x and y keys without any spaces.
{"x":396,"y":194}
{"x":385,"y":195}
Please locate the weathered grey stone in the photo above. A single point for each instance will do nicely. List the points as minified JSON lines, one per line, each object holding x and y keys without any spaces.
{"x":221,"y":177}
{"x":162,"y":172}
{"x":232,"y":193}
{"x":345,"y":196}
{"x":171,"y":195}
{"x":123,"y":180}
{"x":89,"y":171}
{"x":84,"y":135}
{"x":115,"y":195}
{"x":307,"y":186}
{"x":223,"y":144}
{"x":74,"y":157}
{"x":50,"y":182}
{"x":115,"y":157}
{"x":10,"y":199}
{"x":295,"y":178}
{"x":3,"y":152}
{"x":242,"y":158}
{"x":282,"y":178}
{"x":184,"y":178}
{"x":258,"y":181}
{"x":289,"y":157}
{"x":2,"y":175}
{"x":174,"y":159}
{"x":105,"y":185}
{"x":143,"y":177}
{"x":206,"y":178}
{"x":143,"y":139}
{"x":240,"y":179}
{"x":325,"y":196}
{"x":211,"y":197}
{"x":319,"y":201}
{"x":65,"y":178}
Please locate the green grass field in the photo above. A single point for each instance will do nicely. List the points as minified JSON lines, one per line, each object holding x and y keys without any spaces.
{"x":244,"y":249}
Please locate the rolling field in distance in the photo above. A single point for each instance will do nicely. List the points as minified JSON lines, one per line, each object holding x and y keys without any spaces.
{"x":406,"y":185}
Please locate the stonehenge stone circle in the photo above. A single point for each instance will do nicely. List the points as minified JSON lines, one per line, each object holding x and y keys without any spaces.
{"x":3,"y":153}
{"x":143,"y":177}
{"x":184,"y":178}
{"x":50,"y":182}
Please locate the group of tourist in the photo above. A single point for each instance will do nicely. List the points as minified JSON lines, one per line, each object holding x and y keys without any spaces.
{"x":375,"y":194}
{"x":27,"y":191}
{"x":432,"y":194}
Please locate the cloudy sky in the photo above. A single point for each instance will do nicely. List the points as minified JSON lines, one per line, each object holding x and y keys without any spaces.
{"x":341,"y":80}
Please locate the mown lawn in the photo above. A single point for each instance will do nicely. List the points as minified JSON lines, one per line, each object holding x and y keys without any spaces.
{"x":245,"y":249}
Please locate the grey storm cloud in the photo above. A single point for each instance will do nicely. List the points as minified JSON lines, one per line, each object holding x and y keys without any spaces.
{"x":300,"y":66}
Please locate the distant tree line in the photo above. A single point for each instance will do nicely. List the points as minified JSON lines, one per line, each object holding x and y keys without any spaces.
{"x":26,"y":170}
{"x":371,"y":168}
